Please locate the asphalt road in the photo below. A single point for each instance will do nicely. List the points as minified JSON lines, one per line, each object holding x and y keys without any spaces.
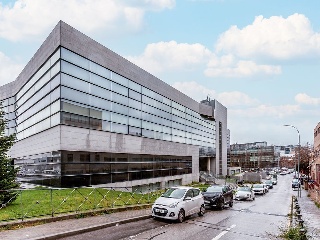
{"x":262,"y":218}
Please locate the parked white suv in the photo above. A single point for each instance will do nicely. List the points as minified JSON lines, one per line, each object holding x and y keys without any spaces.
{"x":179,"y":202}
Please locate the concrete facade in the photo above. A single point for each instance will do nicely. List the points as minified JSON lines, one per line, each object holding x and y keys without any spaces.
{"x":61,"y":137}
{"x":218,"y":163}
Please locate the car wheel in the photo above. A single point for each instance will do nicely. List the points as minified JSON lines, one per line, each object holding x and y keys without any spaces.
{"x":202,"y":211}
{"x":221,"y":204}
{"x":230,"y":203}
{"x":181,"y":216}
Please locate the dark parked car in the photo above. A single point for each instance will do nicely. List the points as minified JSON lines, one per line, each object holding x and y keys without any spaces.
{"x":295,"y":183}
{"x":218,"y":196}
{"x":269,"y":183}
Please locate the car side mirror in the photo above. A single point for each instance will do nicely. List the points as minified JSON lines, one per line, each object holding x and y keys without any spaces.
{"x":187,"y":198}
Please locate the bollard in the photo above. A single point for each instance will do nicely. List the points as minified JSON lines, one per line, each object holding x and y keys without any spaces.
{"x":303,"y":232}
{"x":300,"y":221}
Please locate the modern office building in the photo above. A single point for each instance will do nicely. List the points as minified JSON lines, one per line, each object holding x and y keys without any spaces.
{"x":83,"y":115}
{"x":254,"y":155}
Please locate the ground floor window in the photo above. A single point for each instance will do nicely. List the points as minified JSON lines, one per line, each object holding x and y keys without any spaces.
{"x":73,"y":168}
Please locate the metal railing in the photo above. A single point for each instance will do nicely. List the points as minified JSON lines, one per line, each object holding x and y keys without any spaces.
{"x":51,"y":202}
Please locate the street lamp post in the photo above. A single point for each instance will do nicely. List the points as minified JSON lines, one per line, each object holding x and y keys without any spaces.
{"x":299,"y":187}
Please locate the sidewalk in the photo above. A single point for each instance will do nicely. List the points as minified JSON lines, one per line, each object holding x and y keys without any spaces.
{"x":71,"y":227}
{"x":310,"y":215}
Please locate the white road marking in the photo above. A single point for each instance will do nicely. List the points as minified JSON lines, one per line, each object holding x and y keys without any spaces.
{"x":224,"y":232}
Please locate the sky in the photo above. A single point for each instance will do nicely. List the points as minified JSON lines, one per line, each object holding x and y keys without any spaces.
{"x":259,"y":58}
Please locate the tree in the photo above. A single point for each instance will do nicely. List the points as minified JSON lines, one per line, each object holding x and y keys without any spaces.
{"x":8,"y":172}
{"x":305,"y":157}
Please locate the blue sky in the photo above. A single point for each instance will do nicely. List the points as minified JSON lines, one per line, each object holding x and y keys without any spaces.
{"x":260,"y":58}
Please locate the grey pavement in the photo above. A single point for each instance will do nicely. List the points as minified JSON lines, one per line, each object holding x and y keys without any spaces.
{"x":65,"y":228}
{"x":310,"y":215}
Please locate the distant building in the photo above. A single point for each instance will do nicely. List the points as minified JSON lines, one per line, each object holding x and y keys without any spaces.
{"x":286,"y":151}
{"x":287,"y":156}
{"x":314,"y":188}
{"x":255,"y":155}
{"x":228,"y":149}
{"x":83,"y":115}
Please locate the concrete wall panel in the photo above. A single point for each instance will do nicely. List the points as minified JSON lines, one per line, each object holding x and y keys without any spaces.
{"x":42,"y":142}
{"x":77,"y":139}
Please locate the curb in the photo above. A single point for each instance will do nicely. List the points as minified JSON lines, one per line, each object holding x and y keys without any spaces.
{"x":38,"y":221}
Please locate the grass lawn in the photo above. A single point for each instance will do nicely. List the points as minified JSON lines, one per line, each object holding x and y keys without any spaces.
{"x":52,"y":202}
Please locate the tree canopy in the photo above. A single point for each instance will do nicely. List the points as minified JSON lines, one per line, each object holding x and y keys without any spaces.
{"x":8,"y":172}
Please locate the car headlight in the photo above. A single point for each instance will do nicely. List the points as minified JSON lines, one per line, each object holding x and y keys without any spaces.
{"x":173,"y":205}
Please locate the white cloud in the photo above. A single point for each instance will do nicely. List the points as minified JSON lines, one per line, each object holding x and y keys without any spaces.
{"x":28,"y":19}
{"x":161,"y":56}
{"x":236,"y":98}
{"x":195,"y":90}
{"x":228,"y":66}
{"x":156,"y":4}
{"x":9,"y":70}
{"x":267,"y":111}
{"x":247,"y":52}
{"x":275,"y":37}
{"x":303,"y":98}
{"x":199,"y":92}
{"x":166,"y":56}
{"x":264,"y":122}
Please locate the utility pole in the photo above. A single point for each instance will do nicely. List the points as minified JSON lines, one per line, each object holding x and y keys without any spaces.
{"x":299,"y":188}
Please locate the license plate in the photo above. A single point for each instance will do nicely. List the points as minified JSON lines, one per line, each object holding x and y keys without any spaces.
{"x":159,"y":210}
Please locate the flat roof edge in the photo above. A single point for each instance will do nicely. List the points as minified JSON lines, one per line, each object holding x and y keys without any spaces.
{"x":46,"y":49}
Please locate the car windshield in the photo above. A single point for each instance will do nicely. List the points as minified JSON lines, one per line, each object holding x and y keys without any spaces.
{"x":215,"y":189}
{"x":295,"y":180}
{"x":174,"y":193}
{"x":258,"y":186}
{"x":247,"y":189}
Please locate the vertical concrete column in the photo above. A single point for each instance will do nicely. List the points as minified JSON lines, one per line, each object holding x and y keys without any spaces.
{"x":162,"y":185}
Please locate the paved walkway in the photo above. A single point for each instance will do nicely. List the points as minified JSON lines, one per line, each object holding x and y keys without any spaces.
{"x":310,"y":215}
{"x":59,"y":229}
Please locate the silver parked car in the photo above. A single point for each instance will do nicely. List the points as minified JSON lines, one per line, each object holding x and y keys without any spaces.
{"x":259,"y":188}
{"x":244,"y":193}
{"x":179,"y":202}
